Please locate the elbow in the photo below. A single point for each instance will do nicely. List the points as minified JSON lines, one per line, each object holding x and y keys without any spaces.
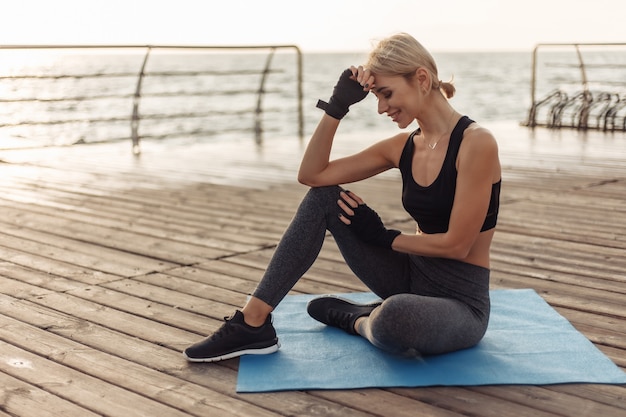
{"x":304,"y":176}
{"x":442,"y":245}
{"x":310,"y":179}
{"x":458,"y":249}
{"x":305,"y":180}
{"x":459,"y":252}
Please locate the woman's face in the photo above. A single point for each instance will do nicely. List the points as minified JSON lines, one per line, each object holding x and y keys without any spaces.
{"x":398,"y":97}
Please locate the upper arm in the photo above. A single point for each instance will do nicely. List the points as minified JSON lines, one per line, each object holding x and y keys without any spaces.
{"x":373,"y":160}
{"x":478,"y":168}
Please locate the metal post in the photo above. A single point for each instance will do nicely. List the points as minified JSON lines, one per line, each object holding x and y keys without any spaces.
{"x":583,"y":118}
{"x":532,"y":114}
{"x":258,"y":116}
{"x":134,"y":121}
{"x":300,"y":95}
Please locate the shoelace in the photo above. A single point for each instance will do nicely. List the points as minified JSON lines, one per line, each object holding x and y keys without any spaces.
{"x":224,"y":330}
{"x":340,"y":319}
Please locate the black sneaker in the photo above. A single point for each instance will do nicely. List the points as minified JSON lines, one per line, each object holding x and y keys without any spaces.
{"x":235,"y":338}
{"x":339,"y":312}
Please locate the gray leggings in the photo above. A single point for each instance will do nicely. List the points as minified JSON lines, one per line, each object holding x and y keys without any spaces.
{"x":431,"y":305}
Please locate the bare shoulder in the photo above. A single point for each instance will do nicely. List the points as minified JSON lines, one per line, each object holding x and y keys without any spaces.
{"x":477,"y":138}
{"x":479,"y":152}
{"x":397,"y":140}
{"x":392,"y":147}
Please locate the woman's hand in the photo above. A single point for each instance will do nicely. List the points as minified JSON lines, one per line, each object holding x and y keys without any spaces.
{"x":350,"y":89}
{"x":363,"y":221}
{"x":363,"y":76}
{"x":348,"y":202}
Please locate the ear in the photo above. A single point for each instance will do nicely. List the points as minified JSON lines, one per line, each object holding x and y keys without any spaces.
{"x":423,"y":79}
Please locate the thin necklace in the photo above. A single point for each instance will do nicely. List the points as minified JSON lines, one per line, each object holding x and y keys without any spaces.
{"x":434,"y":145}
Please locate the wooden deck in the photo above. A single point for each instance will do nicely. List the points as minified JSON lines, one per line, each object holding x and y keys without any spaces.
{"x":110,"y":265}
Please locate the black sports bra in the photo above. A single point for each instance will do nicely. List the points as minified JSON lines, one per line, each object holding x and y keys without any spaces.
{"x":431,"y":206}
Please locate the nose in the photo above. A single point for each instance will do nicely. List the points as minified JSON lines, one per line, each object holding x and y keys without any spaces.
{"x":382,"y":106}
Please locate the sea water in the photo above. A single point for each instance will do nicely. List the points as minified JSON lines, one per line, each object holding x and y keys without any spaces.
{"x":79,"y":97}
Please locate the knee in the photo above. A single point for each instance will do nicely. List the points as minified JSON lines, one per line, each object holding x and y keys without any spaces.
{"x":329,"y":190}
{"x":426,"y":325}
{"x":387,"y":326}
{"x":396,"y":307}
{"x":324,"y":196}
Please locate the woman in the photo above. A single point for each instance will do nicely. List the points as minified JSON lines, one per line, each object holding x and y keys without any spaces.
{"x":434,"y":284}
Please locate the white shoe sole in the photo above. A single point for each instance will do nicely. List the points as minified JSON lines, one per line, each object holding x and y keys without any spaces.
{"x":262,"y":351}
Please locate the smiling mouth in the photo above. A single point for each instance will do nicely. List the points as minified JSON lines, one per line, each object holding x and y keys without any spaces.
{"x":394,"y":116}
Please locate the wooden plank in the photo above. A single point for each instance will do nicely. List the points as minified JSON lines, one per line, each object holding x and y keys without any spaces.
{"x":19,"y":398}
{"x":155,"y":386}
{"x":76,"y":251}
{"x":43,"y":264}
{"x":552,"y":401}
{"x":557,"y":294}
{"x":612,"y":395}
{"x":216,"y":377}
{"x":176,"y":223}
{"x":470,"y":402}
{"x":155,"y":247}
{"x":86,"y":391}
{"x":385,"y":403}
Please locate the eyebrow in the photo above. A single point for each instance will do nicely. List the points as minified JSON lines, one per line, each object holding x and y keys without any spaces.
{"x":380,"y":89}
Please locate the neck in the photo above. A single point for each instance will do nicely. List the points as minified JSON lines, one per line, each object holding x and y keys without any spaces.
{"x":437,"y":118}
{"x":441,"y":126}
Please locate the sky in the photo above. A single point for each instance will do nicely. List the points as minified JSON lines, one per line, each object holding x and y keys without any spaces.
{"x":314,"y":26}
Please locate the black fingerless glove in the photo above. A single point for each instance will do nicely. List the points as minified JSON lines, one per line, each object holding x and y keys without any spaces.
{"x":346,"y":92}
{"x":368,"y":226}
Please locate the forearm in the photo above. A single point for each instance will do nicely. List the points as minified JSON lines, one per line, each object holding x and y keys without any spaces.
{"x":440,"y":245}
{"x":317,"y":154}
{"x":316,"y":158}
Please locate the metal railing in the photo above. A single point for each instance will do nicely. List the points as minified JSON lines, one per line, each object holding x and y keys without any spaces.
{"x":114,"y":87}
{"x":597,"y":102}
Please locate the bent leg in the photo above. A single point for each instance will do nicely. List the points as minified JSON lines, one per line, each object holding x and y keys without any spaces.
{"x":384,"y":271}
{"x":411,"y":325}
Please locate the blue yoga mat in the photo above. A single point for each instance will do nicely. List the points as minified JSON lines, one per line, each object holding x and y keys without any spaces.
{"x":527,"y":342}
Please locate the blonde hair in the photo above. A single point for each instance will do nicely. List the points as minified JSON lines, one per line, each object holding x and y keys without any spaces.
{"x":401,"y":55}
